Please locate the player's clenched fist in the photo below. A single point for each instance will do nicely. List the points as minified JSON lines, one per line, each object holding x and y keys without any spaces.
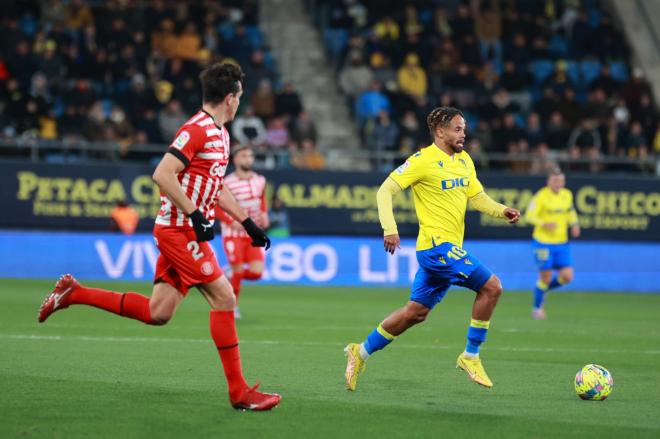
{"x":512,"y":215}
{"x":203,"y":228}
{"x":259,"y":237}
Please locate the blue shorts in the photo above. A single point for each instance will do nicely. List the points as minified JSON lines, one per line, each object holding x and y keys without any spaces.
{"x":443,"y":266}
{"x":551,"y":256}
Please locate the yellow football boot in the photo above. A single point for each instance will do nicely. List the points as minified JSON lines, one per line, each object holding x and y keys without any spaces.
{"x":355,"y":365}
{"x":474,"y":369}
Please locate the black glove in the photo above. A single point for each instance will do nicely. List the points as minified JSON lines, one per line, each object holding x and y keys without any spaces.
{"x":259,"y":237}
{"x":203,"y":228}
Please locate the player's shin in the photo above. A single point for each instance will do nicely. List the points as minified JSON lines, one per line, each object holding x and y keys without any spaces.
{"x":223,"y":332}
{"x":377,"y":340}
{"x":476,"y":335}
{"x":539,"y":294}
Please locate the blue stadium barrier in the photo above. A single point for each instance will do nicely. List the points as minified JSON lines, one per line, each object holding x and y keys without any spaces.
{"x":319,"y":260}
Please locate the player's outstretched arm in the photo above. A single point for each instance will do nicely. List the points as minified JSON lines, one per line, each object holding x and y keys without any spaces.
{"x":391,"y":240}
{"x":484,"y":204}
{"x":228,"y":203}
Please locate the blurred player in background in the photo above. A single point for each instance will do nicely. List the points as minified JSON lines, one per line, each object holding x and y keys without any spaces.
{"x":190,"y":178}
{"x":249,"y":190}
{"x":552,"y":213}
{"x":443,"y":180}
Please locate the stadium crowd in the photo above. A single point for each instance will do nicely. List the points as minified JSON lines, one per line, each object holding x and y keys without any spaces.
{"x":125,"y":73}
{"x":548,"y":79}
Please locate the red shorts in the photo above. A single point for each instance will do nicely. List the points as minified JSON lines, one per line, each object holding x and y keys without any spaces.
{"x":184,"y":262}
{"x":239,"y":250}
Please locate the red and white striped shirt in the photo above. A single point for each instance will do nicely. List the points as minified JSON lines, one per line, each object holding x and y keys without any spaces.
{"x":204,"y":148}
{"x":250,"y":194}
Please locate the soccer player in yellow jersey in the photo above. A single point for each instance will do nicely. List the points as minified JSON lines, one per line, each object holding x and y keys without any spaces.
{"x":443,"y":180}
{"x":552,"y":213}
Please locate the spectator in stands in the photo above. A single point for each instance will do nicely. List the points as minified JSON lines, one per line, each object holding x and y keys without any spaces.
{"x":508,"y":134}
{"x":303,"y":127}
{"x":636,"y":144}
{"x":559,"y":80}
{"x":382,"y":136}
{"x":120,"y":129}
{"x":371,"y":102}
{"x":477,"y":153}
{"x":308,"y":157}
{"x":381,"y":66}
{"x":534,"y":130}
{"x":411,"y":77}
{"x":256,"y":71}
{"x":287,"y":101}
{"x":483,"y":134}
{"x":548,"y":104}
{"x":605,"y":81}
{"x":355,"y":77}
{"x":633,"y":90}
{"x":263,"y":99}
{"x":248,"y":129}
{"x":148,"y":128}
{"x":585,"y":137}
{"x":517,"y":83}
{"x":412,"y":135}
{"x":21,"y":64}
{"x":557,"y":132}
{"x":597,"y":107}
{"x":462,"y":24}
{"x":570,"y":108}
{"x":170,"y":119}
{"x":277,"y":134}
{"x":488,"y":28}
{"x":645,"y":112}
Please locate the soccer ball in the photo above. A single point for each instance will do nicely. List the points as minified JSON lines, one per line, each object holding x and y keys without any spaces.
{"x":593,"y":382}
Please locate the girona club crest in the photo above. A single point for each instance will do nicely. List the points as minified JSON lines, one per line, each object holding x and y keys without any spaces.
{"x":207,"y":268}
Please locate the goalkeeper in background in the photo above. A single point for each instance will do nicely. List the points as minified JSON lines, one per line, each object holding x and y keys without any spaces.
{"x":552,"y":213}
{"x":443,"y":180}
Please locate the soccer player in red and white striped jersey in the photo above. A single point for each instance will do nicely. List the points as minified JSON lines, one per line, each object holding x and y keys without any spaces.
{"x":190,"y":178}
{"x":249,"y":190}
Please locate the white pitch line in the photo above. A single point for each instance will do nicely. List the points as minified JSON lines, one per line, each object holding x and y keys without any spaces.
{"x":35,"y":337}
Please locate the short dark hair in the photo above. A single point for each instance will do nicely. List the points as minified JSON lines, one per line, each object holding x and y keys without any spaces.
{"x":219,"y":80}
{"x":441,"y":116}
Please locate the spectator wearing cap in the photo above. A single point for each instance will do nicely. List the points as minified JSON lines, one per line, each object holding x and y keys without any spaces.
{"x":411,"y":77}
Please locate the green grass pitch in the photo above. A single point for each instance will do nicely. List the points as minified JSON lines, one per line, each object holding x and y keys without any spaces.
{"x":85,"y":373}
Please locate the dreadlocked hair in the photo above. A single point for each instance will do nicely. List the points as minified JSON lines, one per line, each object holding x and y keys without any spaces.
{"x":441,"y":116}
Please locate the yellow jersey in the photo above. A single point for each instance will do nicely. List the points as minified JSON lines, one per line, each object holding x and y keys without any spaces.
{"x":550,"y":207}
{"x":441,"y":185}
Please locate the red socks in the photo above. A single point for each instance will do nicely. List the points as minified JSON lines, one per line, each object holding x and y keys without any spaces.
{"x":251,"y":275}
{"x":131,"y":305}
{"x":236,"y":279}
{"x":236,"y":283}
{"x":223,"y":332}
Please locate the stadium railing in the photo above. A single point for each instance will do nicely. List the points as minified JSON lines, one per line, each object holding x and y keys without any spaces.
{"x":56,"y":152}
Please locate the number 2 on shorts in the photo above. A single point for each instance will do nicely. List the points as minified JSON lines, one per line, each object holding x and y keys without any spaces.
{"x":193,"y":246}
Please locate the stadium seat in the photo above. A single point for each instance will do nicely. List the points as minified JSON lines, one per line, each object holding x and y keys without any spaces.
{"x":619,"y":71}
{"x":542,"y":69}
{"x":590,"y":70}
{"x":573,"y":72}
